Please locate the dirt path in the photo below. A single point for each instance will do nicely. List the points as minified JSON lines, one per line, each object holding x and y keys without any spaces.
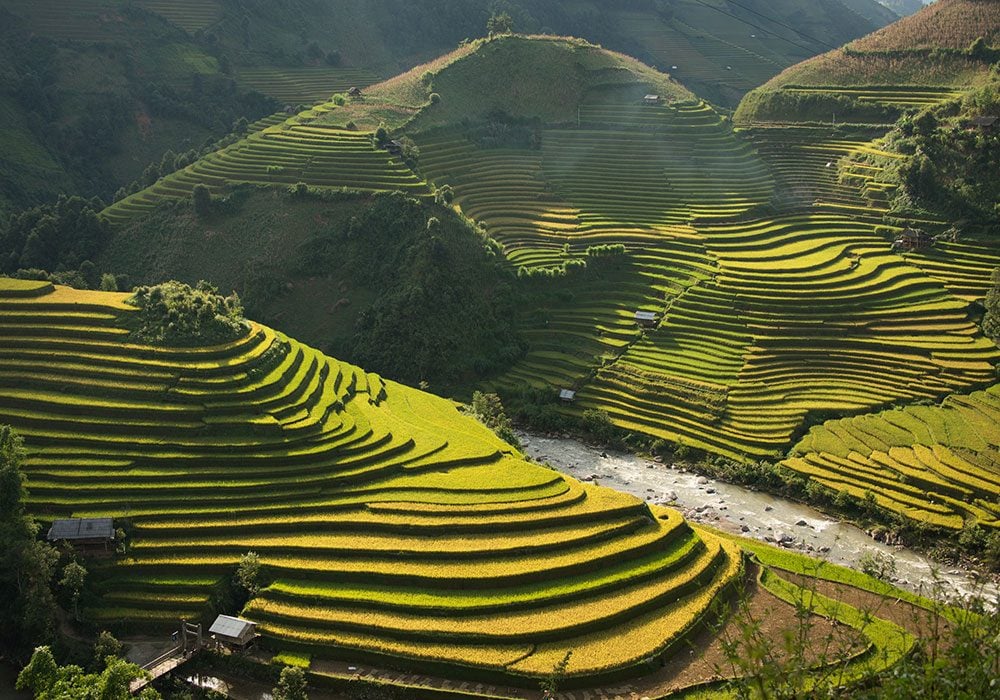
{"x":739,"y":510}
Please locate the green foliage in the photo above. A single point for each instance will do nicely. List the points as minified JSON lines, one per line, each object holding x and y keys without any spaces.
{"x":962,"y":661}
{"x":74,"y":576}
{"x":444,"y":307}
{"x":953,"y":163}
{"x":178,"y":315}
{"x":877,"y":565}
{"x":550,"y":686}
{"x":248,"y":573}
{"x":488,"y":409}
{"x":27,"y":607}
{"x":991,"y":321}
{"x":291,"y":685}
{"x":105,"y":646}
{"x":201,"y":199}
{"x":500,"y":23}
{"x":46,"y":680}
{"x":64,"y":234}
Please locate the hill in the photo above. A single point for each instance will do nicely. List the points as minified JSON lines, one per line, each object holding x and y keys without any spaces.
{"x":392,"y":530}
{"x":94,"y":92}
{"x":766,"y":308}
{"x":406,"y":287}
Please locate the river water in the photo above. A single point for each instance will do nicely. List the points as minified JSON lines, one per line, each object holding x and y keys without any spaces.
{"x":750,"y":513}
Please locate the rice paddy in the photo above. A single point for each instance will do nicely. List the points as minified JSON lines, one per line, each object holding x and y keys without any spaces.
{"x":387,"y":522}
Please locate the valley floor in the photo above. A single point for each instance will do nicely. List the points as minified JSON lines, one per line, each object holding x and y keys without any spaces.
{"x":744,"y":512}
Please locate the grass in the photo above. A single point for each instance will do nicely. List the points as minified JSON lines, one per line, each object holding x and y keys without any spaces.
{"x":373,"y":506}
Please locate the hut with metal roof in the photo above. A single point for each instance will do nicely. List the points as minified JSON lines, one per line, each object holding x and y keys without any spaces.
{"x":646,"y":319}
{"x":233,"y":632}
{"x":83,"y":533}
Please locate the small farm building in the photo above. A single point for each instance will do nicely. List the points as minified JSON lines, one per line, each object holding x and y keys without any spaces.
{"x":395,"y":148}
{"x":646,"y":319}
{"x":913,"y":239}
{"x":651,"y":99}
{"x":83,"y":532}
{"x":567,"y":395}
{"x":354,"y":92}
{"x":234,"y":632}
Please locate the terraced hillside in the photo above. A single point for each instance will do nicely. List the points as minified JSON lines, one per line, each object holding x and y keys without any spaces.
{"x":393,"y":531}
{"x":936,"y":464}
{"x":762,"y":255}
{"x":391,"y":525}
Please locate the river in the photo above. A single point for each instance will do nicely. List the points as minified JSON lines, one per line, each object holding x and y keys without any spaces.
{"x":750,"y":513}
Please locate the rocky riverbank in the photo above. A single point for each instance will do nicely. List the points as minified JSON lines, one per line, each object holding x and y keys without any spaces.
{"x":750,"y":513}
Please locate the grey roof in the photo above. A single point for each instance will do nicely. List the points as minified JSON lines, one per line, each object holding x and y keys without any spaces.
{"x":232,"y":627}
{"x":82,"y":529}
{"x":645,"y":316}
{"x":984,"y":120}
{"x":567,"y":394}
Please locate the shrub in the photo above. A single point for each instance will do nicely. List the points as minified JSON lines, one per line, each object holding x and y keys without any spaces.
{"x":201,"y":198}
{"x":176,"y":314}
{"x":435,"y":98}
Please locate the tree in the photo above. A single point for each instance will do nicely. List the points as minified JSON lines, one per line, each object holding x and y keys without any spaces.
{"x":46,"y":680}
{"x":105,"y":646}
{"x":248,"y":573}
{"x":291,"y":685}
{"x":27,"y":605}
{"x":991,"y":321}
{"x":500,"y":23}
{"x":201,"y":198}
{"x":73,"y":578}
{"x":109,"y":283}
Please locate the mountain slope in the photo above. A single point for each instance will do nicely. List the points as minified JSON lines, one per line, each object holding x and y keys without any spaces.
{"x":389,"y":524}
{"x":766,"y":304}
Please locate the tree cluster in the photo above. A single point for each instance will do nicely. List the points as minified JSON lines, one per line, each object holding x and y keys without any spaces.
{"x":27,"y":565}
{"x":444,"y":306}
{"x":174,"y":314}
{"x":53,"y":237}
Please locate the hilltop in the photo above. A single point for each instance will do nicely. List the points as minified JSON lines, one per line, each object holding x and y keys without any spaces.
{"x":95,"y":92}
{"x":928,"y":51}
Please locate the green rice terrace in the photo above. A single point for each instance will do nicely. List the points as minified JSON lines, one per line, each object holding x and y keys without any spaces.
{"x":761,"y":254}
{"x":393,"y":529}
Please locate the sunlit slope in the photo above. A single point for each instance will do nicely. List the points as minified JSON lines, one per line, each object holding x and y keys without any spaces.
{"x":930,"y":48}
{"x":937,"y":464}
{"x":389,"y":525}
{"x":329,"y":146}
{"x":764,"y":320}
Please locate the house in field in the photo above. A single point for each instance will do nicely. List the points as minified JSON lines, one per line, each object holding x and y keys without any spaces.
{"x":646,"y":319}
{"x":651,"y":99}
{"x":567,"y":395}
{"x":394,"y":148}
{"x":355,"y":93}
{"x":912,"y":240}
{"x":234,"y":633}
{"x":84,"y":534}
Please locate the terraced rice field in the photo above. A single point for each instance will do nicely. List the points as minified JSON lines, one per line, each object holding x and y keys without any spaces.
{"x":282,"y":154}
{"x":901,"y":96}
{"x":391,"y":525}
{"x":189,"y":15}
{"x":307,"y":85}
{"x":935,"y":464}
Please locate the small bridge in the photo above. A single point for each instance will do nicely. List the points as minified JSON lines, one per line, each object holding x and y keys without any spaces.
{"x":190,"y":644}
